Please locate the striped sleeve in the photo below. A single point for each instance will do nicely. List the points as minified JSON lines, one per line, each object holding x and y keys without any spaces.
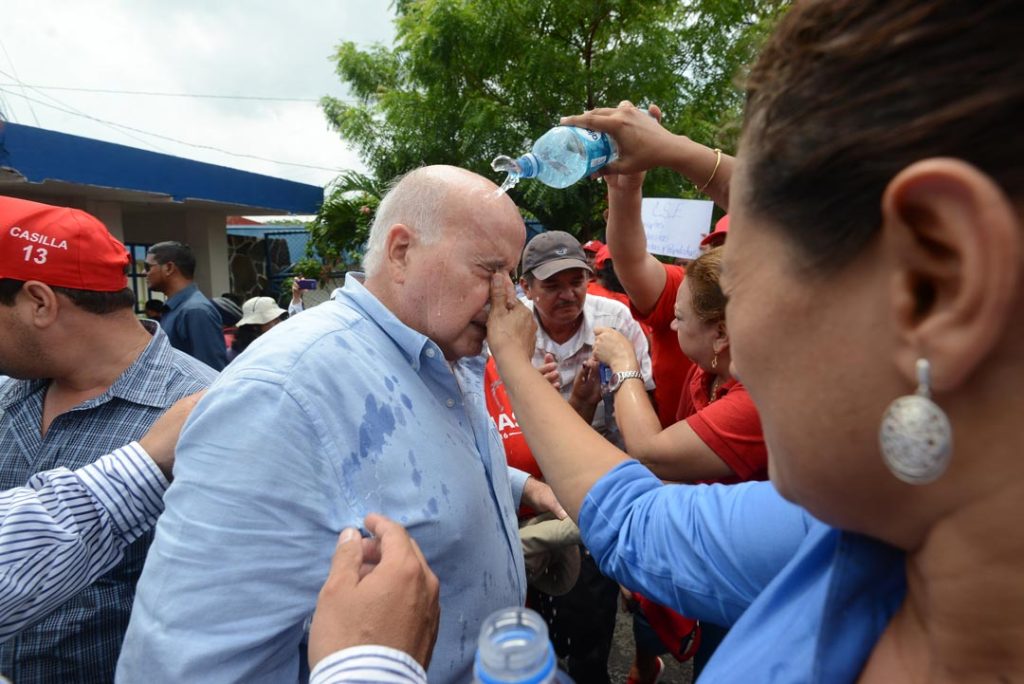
{"x":368,"y":665}
{"x":65,"y":529}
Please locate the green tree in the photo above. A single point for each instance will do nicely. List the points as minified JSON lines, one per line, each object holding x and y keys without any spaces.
{"x":342,"y":226}
{"x":470,"y":79}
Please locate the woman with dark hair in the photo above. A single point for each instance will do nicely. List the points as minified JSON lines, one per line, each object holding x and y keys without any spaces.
{"x":875,"y":277}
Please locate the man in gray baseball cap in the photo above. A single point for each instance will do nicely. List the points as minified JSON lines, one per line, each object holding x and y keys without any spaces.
{"x":555,"y":279}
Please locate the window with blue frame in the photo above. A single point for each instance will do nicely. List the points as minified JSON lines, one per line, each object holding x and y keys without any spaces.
{"x":137,"y":276}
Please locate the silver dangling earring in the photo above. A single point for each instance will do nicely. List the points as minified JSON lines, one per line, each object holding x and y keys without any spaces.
{"x":714,"y":361}
{"x":916,"y":438}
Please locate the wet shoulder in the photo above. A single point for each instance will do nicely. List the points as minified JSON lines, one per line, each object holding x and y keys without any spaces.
{"x":329,"y":338}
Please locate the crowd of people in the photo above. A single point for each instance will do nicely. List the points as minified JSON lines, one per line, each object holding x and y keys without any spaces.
{"x":795,"y":456}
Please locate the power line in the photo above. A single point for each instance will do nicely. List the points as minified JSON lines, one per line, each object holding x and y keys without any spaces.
{"x":170,"y":139}
{"x":79,"y":112}
{"x":15,"y":72}
{"x":152,"y":93}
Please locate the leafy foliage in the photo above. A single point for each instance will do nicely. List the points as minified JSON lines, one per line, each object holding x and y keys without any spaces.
{"x":470,"y":79}
{"x":342,"y":226}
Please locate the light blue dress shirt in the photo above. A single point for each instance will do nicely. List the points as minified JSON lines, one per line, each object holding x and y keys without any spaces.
{"x":334,"y":414}
{"x":806,"y":602}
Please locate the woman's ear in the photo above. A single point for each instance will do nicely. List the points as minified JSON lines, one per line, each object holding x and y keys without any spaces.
{"x":721,"y":341}
{"x":953,"y":238}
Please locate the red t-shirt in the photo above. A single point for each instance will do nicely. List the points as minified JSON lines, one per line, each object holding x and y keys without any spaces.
{"x":517,"y":453}
{"x":596,"y":288}
{"x":669,"y":364}
{"x":729,"y":425}
{"x":599,"y":290}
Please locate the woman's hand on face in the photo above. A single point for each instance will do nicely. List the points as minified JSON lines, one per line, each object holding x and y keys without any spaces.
{"x":511,"y":327}
{"x":613,"y":350}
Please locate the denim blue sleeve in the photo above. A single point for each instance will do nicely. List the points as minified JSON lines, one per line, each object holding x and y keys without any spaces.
{"x":245,"y":543}
{"x":202,"y":329}
{"x":706,"y":551}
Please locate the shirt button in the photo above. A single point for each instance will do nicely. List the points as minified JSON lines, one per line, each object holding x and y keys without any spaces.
{"x":450,"y":403}
{"x":430,"y":352}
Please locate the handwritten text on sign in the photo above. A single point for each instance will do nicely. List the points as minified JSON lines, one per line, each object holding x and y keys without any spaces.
{"x":675,"y":227}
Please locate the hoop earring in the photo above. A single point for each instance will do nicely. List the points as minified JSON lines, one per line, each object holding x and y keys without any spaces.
{"x":714,"y":361}
{"x":915,"y":435}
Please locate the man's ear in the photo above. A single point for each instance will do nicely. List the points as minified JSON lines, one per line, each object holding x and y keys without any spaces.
{"x":396,"y":251}
{"x":42,"y":303}
{"x":954,"y":240}
{"x":525,"y":284}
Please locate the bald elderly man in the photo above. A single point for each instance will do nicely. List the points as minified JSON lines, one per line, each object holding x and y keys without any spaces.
{"x":370,"y":403}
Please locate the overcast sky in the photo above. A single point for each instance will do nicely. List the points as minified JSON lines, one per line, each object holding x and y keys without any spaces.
{"x":262,"y":48}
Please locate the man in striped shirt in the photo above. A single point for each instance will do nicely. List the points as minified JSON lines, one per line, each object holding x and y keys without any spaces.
{"x":87,"y":378}
{"x":66,"y":528}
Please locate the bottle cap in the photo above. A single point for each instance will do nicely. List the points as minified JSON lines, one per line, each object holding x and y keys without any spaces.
{"x":514,"y":647}
{"x":528,"y":165}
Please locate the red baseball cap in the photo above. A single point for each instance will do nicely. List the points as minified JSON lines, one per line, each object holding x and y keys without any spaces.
{"x":59,"y":246}
{"x":717,"y":236}
{"x":603,"y":255}
{"x":592,"y":246}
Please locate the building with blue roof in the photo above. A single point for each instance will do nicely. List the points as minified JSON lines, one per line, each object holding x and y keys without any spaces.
{"x":146,"y":197}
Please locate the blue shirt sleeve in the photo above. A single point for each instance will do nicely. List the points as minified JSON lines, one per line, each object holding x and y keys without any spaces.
{"x":706,"y":551}
{"x":247,"y":537}
{"x":517,"y":478}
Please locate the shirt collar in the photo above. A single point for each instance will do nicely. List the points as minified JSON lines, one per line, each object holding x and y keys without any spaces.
{"x":179,"y":297}
{"x":135,"y":384}
{"x":413,"y":344}
{"x":584,"y":334}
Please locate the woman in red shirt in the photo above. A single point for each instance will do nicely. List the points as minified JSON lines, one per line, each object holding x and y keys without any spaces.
{"x":718,"y":433}
{"x":717,"y":436}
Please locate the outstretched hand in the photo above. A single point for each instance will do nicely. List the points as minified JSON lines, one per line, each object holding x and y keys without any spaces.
{"x":640,"y":137}
{"x":162,"y":437}
{"x":380,"y":592}
{"x":511,"y":327}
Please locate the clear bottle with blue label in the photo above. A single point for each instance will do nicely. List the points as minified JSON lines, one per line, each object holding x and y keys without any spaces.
{"x":561,"y":157}
{"x":514,"y":649}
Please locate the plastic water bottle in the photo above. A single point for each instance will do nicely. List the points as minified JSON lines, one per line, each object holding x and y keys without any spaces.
{"x":561,"y":157}
{"x":514,"y":649}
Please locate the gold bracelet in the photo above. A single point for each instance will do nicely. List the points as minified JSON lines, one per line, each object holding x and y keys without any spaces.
{"x":718,"y":161}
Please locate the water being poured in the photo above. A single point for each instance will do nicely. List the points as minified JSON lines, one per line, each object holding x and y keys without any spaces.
{"x":506,"y":164}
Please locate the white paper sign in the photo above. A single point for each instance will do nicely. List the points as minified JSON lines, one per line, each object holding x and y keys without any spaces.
{"x":675,"y":227}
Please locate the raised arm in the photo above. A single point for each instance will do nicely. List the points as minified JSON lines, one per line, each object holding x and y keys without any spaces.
{"x":642,"y":276}
{"x":645,"y":144}
{"x":675,"y":453}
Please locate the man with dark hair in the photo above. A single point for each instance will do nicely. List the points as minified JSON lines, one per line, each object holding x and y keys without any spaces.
{"x":154,"y":309}
{"x":191,"y":321}
{"x":86,"y":377}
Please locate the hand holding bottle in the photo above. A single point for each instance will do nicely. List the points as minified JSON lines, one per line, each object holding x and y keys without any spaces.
{"x":641,"y":140}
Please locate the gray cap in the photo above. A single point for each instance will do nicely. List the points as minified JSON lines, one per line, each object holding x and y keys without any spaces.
{"x":553,"y":252}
